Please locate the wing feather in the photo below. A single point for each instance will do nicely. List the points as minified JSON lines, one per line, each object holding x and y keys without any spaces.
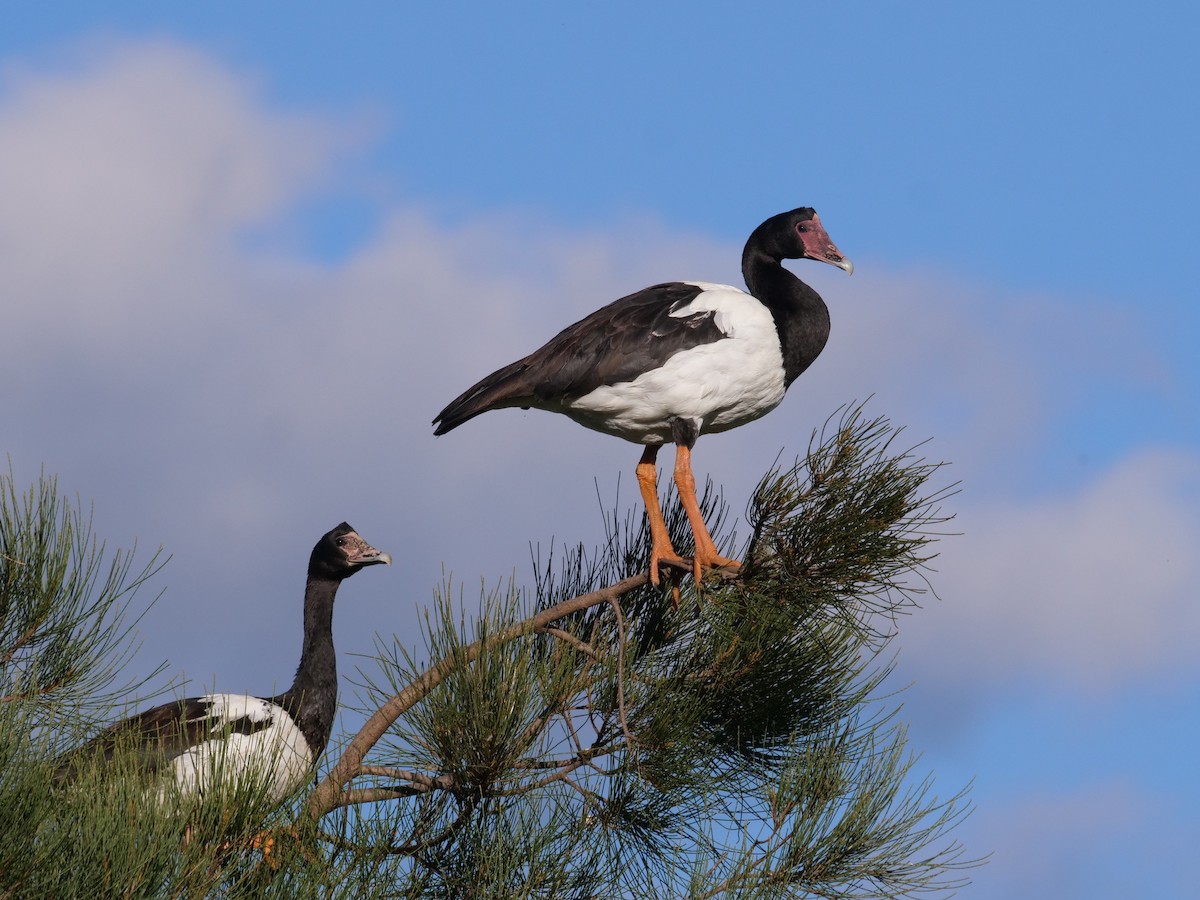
{"x":158,"y":735}
{"x":615,"y":344}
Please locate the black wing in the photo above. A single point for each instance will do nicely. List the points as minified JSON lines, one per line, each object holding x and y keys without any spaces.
{"x":156,"y":736}
{"x":615,"y":344}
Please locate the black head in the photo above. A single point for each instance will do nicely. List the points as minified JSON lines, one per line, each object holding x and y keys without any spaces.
{"x":798,"y":234}
{"x":341,"y":553}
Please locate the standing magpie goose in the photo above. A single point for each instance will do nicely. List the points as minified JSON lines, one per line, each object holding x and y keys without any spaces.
{"x":235,"y":736}
{"x":678,"y":360}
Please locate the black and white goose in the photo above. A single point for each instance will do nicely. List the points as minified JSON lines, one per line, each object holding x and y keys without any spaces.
{"x":678,"y":360}
{"x":238,"y":736}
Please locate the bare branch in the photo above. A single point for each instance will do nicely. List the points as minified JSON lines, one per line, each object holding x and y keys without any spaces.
{"x":356,"y":796}
{"x":21,"y":640}
{"x":621,"y":674}
{"x":424,"y":782}
{"x":413,"y":847}
{"x":568,"y":638}
{"x":525,"y":788}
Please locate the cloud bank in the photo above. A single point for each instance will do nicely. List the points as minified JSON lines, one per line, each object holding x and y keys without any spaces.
{"x":170,"y":350}
{"x":213,"y":392}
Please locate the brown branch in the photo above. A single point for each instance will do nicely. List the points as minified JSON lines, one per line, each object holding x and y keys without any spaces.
{"x":528,"y":786}
{"x":621,"y":675}
{"x":418,"y":784}
{"x":588,"y":796}
{"x":340,"y":842}
{"x":424,"y":782}
{"x":584,"y":756}
{"x":570,"y":723}
{"x":324,"y":797}
{"x":357,"y":796}
{"x":567,"y":637}
{"x":21,"y":641}
{"x":412,"y":846}
{"x":40,"y":690}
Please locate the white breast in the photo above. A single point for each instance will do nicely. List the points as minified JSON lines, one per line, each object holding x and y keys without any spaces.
{"x":717,"y":386}
{"x":277,"y":755}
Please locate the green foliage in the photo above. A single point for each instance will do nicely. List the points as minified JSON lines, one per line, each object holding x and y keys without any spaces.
{"x":63,"y":634}
{"x":66,"y":633}
{"x":584,"y":738}
{"x":592,"y":740}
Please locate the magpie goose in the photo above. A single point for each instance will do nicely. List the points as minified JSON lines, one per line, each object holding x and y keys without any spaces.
{"x":237,"y":736}
{"x":677,"y":360}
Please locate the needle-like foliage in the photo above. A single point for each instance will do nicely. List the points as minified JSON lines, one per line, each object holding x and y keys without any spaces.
{"x":584,"y":737}
{"x":65,"y":636}
{"x":588,"y":739}
{"x":67,"y":614}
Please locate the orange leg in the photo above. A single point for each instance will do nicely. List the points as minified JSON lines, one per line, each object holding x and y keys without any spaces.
{"x":660,"y":541}
{"x":706,"y":555}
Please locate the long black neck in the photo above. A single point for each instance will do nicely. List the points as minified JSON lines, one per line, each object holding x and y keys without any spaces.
{"x":312,"y":698}
{"x":801,"y":317}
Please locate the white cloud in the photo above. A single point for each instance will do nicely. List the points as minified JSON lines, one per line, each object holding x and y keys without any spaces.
{"x":128,"y":175}
{"x":233,"y":402}
{"x":212,"y":396}
{"x":1088,"y":587}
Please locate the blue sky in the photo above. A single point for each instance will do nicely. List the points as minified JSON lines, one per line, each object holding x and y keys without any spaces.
{"x":248,"y":252}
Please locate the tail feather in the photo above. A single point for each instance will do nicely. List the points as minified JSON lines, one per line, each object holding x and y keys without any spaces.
{"x":504,"y":387}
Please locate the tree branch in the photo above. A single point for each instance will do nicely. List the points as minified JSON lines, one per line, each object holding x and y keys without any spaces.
{"x":412,"y":847}
{"x":424,"y":782}
{"x":567,"y":637}
{"x":621,"y":675}
{"x":324,"y":797}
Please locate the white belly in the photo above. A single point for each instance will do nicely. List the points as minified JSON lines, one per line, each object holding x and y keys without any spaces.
{"x":716,"y":386}
{"x":277,"y":756}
